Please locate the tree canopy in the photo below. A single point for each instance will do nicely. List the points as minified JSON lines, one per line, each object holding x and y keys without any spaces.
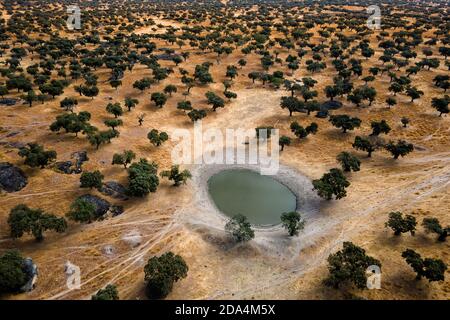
{"x":174,"y":174}
{"x":292,"y":222}
{"x":239,"y":228}
{"x":12,"y":272}
{"x":429,"y":268}
{"x":108,"y":293}
{"x":36,"y":156}
{"x":162,"y":272}
{"x":332,"y":183}
{"x":23,"y":219}
{"x":349,"y":265}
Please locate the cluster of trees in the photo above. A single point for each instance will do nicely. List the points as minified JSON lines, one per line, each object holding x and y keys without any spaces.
{"x":350,"y":265}
{"x":143,"y":84}
{"x":73,"y":123}
{"x":373,"y":143}
{"x":240,"y":229}
{"x":88,"y":91}
{"x":442,"y":81}
{"x":159,"y":98}
{"x":432,"y":225}
{"x":301,"y":132}
{"x":196,"y":114}
{"x":202,"y":74}
{"x":276,"y":79}
{"x":68,"y":104}
{"x":429,"y":268}
{"x":400,"y":224}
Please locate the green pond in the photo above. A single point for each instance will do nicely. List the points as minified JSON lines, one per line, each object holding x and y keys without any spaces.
{"x":260,"y":198}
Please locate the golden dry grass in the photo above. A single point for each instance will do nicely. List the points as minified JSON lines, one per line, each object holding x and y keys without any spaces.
{"x":418,"y":184}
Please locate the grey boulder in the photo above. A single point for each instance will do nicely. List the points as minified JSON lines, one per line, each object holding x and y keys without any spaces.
{"x":12,"y":178}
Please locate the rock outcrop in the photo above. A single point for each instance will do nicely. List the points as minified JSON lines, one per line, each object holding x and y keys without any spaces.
{"x":102,"y":207}
{"x":12,"y":178}
{"x":31,"y":272}
{"x":326,"y":107}
{"x":72,"y":167}
{"x":80,"y":157}
{"x":331,"y":105}
{"x":8,"y":101}
{"x":114,"y":190}
{"x":64,"y":167}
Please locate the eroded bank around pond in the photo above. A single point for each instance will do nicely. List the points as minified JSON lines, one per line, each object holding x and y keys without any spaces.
{"x":204,"y":214}
{"x":260,"y":198}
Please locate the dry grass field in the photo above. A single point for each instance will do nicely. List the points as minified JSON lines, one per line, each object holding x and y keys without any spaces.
{"x":270,"y":266}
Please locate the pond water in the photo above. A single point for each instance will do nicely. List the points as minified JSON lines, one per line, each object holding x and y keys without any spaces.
{"x":260,"y":198}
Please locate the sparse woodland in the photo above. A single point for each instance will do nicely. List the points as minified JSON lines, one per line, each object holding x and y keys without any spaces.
{"x":86,"y":118}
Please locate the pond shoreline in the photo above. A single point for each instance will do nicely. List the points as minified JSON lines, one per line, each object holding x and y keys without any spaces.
{"x":204,"y":211}
{"x":255,"y":202}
